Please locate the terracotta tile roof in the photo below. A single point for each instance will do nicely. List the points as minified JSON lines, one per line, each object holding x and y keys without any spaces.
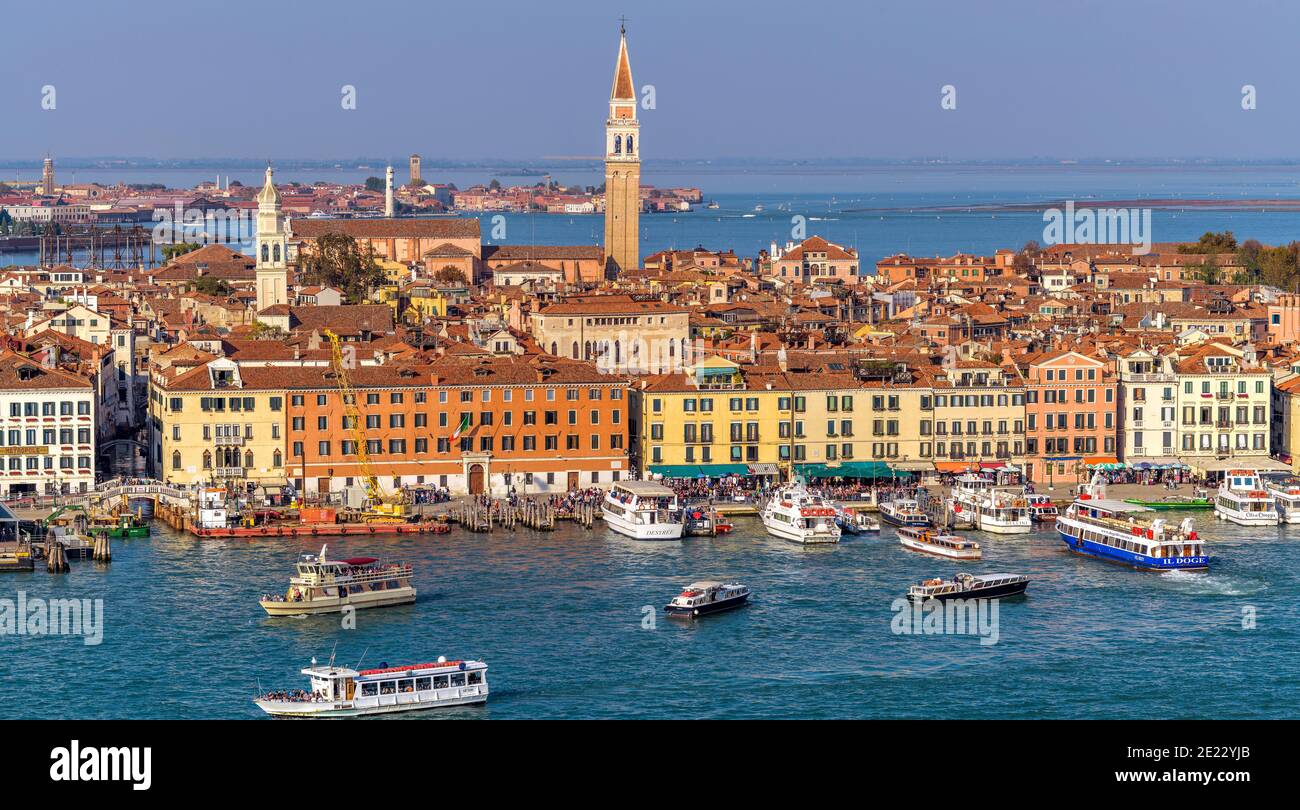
{"x":440,"y":228}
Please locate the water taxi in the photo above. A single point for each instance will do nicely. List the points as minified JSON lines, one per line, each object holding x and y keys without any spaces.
{"x":969,"y":586}
{"x":943,"y":545}
{"x":1286,"y":497}
{"x":343,"y":692}
{"x":1112,"y":530}
{"x":903,"y":512}
{"x":700,"y":598}
{"x":1242,"y":499}
{"x":793,"y":513}
{"x":978,"y":499}
{"x":1041,"y":509}
{"x":322,"y":585}
{"x":851,"y":521}
{"x":642,"y":510}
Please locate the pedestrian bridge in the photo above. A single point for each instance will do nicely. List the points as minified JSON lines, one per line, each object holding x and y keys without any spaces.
{"x":35,"y":507}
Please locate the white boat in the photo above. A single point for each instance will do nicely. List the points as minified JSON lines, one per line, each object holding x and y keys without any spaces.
{"x":322,"y":585}
{"x":1286,"y":496}
{"x":642,"y":510}
{"x":990,"y":508}
{"x":942,"y":545}
{"x":969,"y":586}
{"x":1242,"y":499}
{"x":343,"y":692}
{"x":793,"y":513}
{"x":212,"y":509}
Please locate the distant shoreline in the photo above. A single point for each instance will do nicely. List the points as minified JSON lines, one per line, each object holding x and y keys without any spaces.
{"x":1161,"y":204}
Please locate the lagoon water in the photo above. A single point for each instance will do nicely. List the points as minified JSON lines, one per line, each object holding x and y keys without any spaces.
{"x":561,"y":619}
{"x":880,"y":210}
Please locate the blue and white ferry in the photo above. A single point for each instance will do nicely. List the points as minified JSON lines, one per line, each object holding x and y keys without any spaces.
{"x":1112,"y":531}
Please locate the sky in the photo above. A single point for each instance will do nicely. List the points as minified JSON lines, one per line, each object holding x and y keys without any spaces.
{"x":760,"y":79}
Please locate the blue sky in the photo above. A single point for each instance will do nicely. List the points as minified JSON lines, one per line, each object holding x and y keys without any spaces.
{"x":761,"y":79}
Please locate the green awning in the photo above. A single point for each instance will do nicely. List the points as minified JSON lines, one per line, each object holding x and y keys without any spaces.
{"x":719,"y":470}
{"x":676,"y":470}
{"x":851,"y":469}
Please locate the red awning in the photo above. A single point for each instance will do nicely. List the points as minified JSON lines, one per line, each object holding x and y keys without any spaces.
{"x":1091,"y":461}
{"x":360,"y":560}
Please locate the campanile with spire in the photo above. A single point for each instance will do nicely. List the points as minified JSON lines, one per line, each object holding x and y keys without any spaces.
{"x":622,"y":169}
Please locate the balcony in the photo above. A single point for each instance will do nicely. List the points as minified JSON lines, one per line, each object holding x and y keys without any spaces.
{"x":228,"y":472}
{"x":230,"y":441}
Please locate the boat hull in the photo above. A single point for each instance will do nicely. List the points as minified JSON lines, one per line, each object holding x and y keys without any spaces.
{"x":386,"y":598}
{"x":994,"y":592}
{"x":1247,"y":518}
{"x":704,"y":610}
{"x":940,"y":551}
{"x":786,"y":532}
{"x":1140,"y":561}
{"x":641,"y":531}
{"x":1006,"y":528}
{"x":321,"y":711}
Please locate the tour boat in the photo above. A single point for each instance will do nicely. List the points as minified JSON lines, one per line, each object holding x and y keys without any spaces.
{"x":793,"y":513}
{"x":969,"y":586}
{"x":943,"y":545}
{"x":903,"y":512}
{"x":1112,"y":530}
{"x":700,"y":598}
{"x":122,"y":525}
{"x":1041,"y":509}
{"x":327,"y":586}
{"x":642,"y":510}
{"x":1286,"y":496}
{"x":343,"y":692}
{"x":1242,"y":499}
{"x":1000,"y":511}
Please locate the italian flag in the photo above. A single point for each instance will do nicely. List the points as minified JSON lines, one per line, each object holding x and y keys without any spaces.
{"x":460,"y":427}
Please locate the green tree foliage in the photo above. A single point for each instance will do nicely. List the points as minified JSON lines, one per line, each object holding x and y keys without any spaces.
{"x":1211,"y":242}
{"x":170,"y":252}
{"x":336,"y":261}
{"x":375,"y":183}
{"x":210,"y":285}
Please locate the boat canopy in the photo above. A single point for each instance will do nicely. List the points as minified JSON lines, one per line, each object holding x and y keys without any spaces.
{"x":360,"y":560}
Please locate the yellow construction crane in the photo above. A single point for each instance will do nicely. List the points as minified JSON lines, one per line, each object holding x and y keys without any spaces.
{"x":380,"y":506}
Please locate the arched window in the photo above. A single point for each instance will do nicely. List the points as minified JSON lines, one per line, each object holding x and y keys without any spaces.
{"x":176,"y":460}
{"x":276,"y":459}
{"x":266,"y":249}
{"x":248,"y":458}
{"x":630,"y":141}
{"x":586,"y":350}
{"x":277,"y":254}
{"x":618,"y":144}
{"x":207,"y":459}
{"x":555,"y":349}
{"x":574,"y":353}
{"x":617,"y":352}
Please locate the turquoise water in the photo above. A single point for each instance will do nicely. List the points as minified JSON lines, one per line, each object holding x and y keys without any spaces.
{"x":558,"y":617}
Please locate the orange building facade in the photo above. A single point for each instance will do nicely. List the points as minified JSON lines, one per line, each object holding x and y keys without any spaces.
{"x":489,"y":425}
{"x":1070,"y":416}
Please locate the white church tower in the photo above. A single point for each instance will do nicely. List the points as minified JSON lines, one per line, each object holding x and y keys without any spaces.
{"x":272,"y":247}
{"x":388,"y":193}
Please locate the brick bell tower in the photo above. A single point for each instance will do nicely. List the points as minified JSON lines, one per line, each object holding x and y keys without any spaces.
{"x":622,"y":169}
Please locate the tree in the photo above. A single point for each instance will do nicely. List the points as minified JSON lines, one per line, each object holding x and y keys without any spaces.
{"x":170,"y":252}
{"x":495,"y":185}
{"x":1208,"y":271}
{"x":336,"y":261}
{"x":264,"y":331}
{"x":376,"y":184}
{"x":449,"y":275}
{"x":211,"y":285}
{"x":1211,"y":242}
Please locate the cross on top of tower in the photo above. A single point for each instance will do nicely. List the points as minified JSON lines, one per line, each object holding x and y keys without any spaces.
{"x":622,"y":25}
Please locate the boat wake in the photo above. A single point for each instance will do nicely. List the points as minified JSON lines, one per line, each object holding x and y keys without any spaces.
{"x":1208,"y":583}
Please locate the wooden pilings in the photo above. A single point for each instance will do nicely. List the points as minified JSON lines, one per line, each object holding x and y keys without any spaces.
{"x":481,"y":516}
{"x":103,"y":548}
{"x":56,"y":560}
